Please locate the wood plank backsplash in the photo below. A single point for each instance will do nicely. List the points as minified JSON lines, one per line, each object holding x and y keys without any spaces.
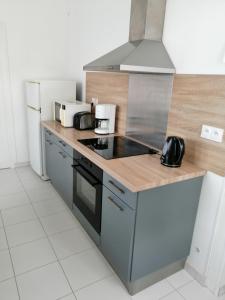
{"x":198,"y":100}
{"x":110,"y":88}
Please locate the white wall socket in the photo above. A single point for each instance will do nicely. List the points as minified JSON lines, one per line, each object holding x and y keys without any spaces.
{"x":212,"y":133}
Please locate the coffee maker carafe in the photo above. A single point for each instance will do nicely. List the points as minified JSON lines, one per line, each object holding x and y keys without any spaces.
{"x":105,"y":118}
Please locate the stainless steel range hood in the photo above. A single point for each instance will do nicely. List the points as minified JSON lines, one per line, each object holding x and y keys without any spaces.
{"x":145,"y":52}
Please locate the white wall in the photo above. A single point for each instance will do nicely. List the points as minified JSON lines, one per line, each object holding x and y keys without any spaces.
{"x":7,"y":149}
{"x":194,"y":35}
{"x":97,"y":26}
{"x":46,"y":42}
{"x":37,"y":34}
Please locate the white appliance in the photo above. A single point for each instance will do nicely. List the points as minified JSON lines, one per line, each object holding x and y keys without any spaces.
{"x":40,"y":95}
{"x":64,"y":111}
{"x":105,"y":118}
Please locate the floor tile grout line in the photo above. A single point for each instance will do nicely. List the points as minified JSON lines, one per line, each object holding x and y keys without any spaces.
{"x":39,"y":219}
{"x":22,"y":222}
{"x":178,"y":288}
{"x":38,"y":239}
{"x":65,"y":230}
{"x":94,"y":282}
{"x":37,"y":268}
{"x":49,"y":242}
{"x":65,"y":258}
{"x":28,"y":242}
{"x":181,"y":294}
{"x":182,"y":285}
{"x":163,"y":297}
{"x":57,"y":259}
{"x":75,"y":253}
{"x":12,"y":194}
{"x":9,"y":278}
{"x":21,"y":205}
{"x":16,"y":206}
{"x":61,"y":259}
{"x":17,"y":287}
{"x":61,"y":298}
{"x":77,"y":228}
{"x":58,"y":232}
{"x":29,"y":204}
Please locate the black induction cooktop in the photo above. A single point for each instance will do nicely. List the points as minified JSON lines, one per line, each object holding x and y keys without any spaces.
{"x":116,"y":147}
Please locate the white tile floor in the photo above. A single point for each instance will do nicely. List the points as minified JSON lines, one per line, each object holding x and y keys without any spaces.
{"x":46,"y":255}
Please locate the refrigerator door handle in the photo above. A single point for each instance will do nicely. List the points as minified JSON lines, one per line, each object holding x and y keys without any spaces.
{"x":33,"y":108}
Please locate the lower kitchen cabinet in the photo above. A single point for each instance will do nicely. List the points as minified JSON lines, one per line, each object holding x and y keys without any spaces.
{"x":145,"y":236}
{"x":147,"y":243}
{"x":118,"y":221}
{"x":51,"y":161}
{"x":59,"y":170}
{"x":65,"y":177}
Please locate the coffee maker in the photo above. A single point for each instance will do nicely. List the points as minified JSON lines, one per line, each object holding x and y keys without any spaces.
{"x":105,"y":118}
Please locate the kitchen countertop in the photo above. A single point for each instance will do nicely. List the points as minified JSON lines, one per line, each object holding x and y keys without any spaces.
{"x":137,"y":173}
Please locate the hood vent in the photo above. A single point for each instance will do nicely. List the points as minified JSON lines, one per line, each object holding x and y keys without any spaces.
{"x":145,"y":52}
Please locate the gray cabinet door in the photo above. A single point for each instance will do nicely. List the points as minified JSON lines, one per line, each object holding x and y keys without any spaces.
{"x":118,"y":221}
{"x":164,"y":226}
{"x":59,"y":170}
{"x":65,"y":176}
{"x":51,"y":161}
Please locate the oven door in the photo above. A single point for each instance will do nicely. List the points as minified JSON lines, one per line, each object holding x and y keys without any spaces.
{"x":88,"y":196}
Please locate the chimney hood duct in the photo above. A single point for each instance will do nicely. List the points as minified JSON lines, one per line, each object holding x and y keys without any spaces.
{"x":145,"y":52}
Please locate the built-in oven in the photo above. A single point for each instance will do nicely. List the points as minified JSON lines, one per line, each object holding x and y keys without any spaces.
{"x":87,"y":185}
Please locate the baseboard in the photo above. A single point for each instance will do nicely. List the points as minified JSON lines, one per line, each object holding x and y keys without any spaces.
{"x":138,"y":285}
{"x":23,"y":164}
{"x":195,"y":274}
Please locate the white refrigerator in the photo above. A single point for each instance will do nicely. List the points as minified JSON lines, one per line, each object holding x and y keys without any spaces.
{"x":40,"y":95}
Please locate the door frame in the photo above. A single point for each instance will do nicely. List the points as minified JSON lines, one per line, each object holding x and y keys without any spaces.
{"x":7,"y":92}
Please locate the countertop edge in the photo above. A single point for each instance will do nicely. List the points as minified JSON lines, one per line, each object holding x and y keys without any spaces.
{"x":123,"y":181}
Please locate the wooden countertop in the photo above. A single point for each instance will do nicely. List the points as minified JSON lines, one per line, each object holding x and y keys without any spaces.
{"x":137,"y":173}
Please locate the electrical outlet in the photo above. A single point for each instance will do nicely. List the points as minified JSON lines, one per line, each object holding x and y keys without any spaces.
{"x":94,"y":101}
{"x":212,"y":133}
{"x":217,"y":134}
{"x":206,"y":132}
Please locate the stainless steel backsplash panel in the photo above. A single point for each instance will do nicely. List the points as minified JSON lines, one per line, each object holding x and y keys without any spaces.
{"x":149,"y":101}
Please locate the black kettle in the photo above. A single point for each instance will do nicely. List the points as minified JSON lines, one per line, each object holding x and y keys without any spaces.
{"x":173,"y":152}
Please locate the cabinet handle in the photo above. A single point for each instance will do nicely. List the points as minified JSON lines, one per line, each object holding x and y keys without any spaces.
{"x":117,"y":205}
{"x":62,"y":154}
{"x":62,"y":143}
{"x":115,"y":186}
{"x":50,"y":143}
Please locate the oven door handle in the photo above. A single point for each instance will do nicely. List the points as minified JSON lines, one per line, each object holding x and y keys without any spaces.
{"x":92,"y":180}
